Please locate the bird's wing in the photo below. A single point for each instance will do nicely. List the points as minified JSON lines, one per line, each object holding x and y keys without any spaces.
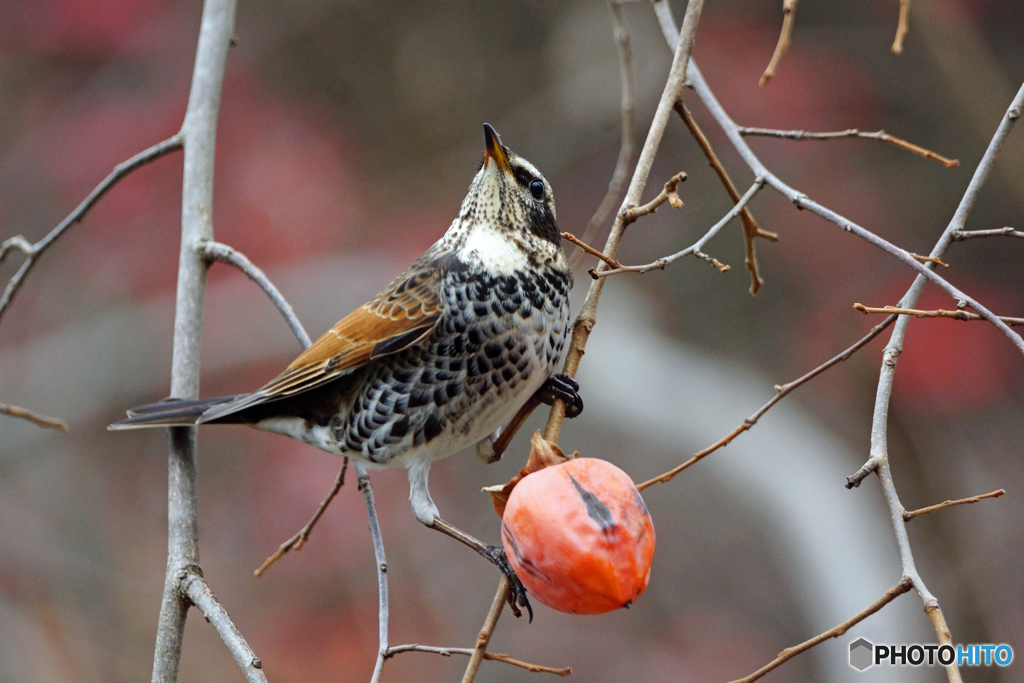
{"x":400,"y":316}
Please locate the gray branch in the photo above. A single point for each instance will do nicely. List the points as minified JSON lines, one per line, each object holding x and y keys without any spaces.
{"x":382,"y":570}
{"x":34,"y":251}
{"x":802,"y":201}
{"x":199,"y":593}
{"x":693,"y":249}
{"x":215,"y":251}
{"x":198,"y":136}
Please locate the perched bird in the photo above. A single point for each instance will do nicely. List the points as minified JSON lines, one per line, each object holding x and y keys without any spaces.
{"x":441,"y":359}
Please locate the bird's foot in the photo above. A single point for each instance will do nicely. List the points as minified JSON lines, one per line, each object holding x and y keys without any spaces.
{"x":564,"y":387}
{"x":517,"y":592}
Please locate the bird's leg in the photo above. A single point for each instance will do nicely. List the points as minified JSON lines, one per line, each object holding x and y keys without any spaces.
{"x":496,"y":554}
{"x":564,"y":387}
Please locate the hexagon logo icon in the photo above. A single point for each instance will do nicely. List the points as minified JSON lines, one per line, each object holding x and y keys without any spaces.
{"x":861,"y":654}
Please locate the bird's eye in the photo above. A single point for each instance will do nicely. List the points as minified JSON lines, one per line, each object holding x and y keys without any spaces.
{"x":537,"y":189}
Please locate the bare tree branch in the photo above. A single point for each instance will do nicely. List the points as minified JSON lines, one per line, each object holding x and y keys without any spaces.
{"x":801,"y":201}
{"x":902,"y":27}
{"x":194,"y":586}
{"x":850,"y":133}
{"x":788,"y":16}
{"x":627,"y":146}
{"x":491,"y":656}
{"x":907,"y":516}
{"x":486,"y":631}
{"x":215,"y":251}
{"x":959,"y":235}
{"x":34,"y":251}
{"x":956,"y":315}
{"x":750,"y":227}
{"x":899,"y":589}
{"x":695,"y":248}
{"x":35,"y":418}
{"x":198,"y":136}
{"x":298,"y":540}
{"x":382,"y":570}
{"x":668,"y":194}
{"x":781,"y":391}
{"x":569,"y":237}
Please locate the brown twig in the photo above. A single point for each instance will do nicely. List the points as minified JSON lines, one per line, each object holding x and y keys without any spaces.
{"x":899,"y":589}
{"x":627,"y":146}
{"x":569,"y":237}
{"x":296,"y":542}
{"x":694,"y":249}
{"x":484,"y":637}
{"x":956,"y":315}
{"x":34,"y":251}
{"x":788,"y":15}
{"x":902,"y":27}
{"x":750,"y":227}
{"x":668,"y":194}
{"x":494,"y":657}
{"x":849,"y":133}
{"x":780,"y":392}
{"x":35,"y":418}
{"x":960,"y":235}
{"x":588,"y":315}
{"x":907,"y":516}
{"x":930,"y":259}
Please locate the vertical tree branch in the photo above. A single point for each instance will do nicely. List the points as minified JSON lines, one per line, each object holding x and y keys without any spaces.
{"x":588,"y":314}
{"x":382,"y":570}
{"x":198,"y":133}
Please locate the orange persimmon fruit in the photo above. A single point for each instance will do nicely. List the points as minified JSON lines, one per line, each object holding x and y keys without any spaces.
{"x":579,"y":536}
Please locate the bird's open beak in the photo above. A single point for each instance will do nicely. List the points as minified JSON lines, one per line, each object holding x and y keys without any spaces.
{"x":493,"y":149}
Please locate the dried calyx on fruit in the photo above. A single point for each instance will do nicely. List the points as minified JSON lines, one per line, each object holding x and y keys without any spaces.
{"x":576,"y":531}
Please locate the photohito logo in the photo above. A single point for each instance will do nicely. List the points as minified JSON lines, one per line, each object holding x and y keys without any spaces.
{"x":865,"y":654}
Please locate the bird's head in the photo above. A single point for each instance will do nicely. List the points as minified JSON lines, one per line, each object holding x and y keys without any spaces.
{"x":507,"y":219}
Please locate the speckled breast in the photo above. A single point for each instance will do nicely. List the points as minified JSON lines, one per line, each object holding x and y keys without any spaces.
{"x":498,"y":340}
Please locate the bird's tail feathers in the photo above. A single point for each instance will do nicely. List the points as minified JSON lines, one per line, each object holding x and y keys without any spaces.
{"x":169,"y":413}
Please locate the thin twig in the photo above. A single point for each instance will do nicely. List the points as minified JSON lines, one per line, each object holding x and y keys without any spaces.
{"x":802,"y":201}
{"x":850,"y":133}
{"x":491,"y":656}
{"x":960,"y":235}
{"x":899,"y":589}
{"x":695,"y":248}
{"x":788,"y":16}
{"x":569,"y":237}
{"x":907,"y":516}
{"x":627,"y":145}
{"x":34,"y":251}
{"x":668,"y":194}
{"x":215,"y":251}
{"x":298,"y":540}
{"x":781,"y":391}
{"x":486,"y":631}
{"x":902,"y":27}
{"x":35,"y":418}
{"x":382,"y":570}
{"x":929,"y":259}
{"x":956,"y":315}
{"x":878,"y":459}
{"x":750,"y":227}
{"x":195,"y":587}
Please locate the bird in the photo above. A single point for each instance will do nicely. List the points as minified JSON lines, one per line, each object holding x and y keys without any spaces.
{"x":442,"y":358}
